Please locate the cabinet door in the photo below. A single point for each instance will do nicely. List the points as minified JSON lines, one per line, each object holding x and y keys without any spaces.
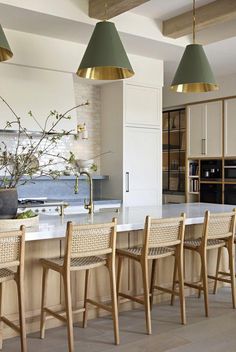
{"x":213,"y":145}
{"x":142,"y":177}
{"x":142,"y":105}
{"x":230,"y":127}
{"x":196,"y":124}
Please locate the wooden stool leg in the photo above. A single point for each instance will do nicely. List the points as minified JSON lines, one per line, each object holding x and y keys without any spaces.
{"x":43,"y":302}
{"x":153,"y":275}
{"x":200,"y":291}
{"x":205,"y":281}
{"x":119,"y":274}
{"x":174,"y":281}
{"x":144,"y":266}
{"x":68,"y":304}
{"x":85,"y":315}
{"x":1,"y":313}
{"x":21,"y":300}
{"x":217,"y":269}
{"x":112,"y":274}
{"x":232,"y":270}
{"x":179,"y":259}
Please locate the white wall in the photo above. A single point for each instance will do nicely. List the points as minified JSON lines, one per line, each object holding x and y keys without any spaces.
{"x":227,"y":85}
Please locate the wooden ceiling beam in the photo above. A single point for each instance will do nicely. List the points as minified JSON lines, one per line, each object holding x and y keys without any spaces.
{"x":218,"y":11}
{"x":97,"y":8}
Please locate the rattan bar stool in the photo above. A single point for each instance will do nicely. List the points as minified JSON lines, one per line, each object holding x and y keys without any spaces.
{"x":222,"y":274}
{"x":218,"y":232}
{"x":162,"y":238}
{"x":12,"y":255}
{"x":87,"y":247}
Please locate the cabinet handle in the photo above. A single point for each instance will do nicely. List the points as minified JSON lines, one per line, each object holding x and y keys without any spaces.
{"x":127,"y":182}
{"x":203,"y":146}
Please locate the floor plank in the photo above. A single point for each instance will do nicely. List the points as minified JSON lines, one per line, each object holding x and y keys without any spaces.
{"x":216,"y":333}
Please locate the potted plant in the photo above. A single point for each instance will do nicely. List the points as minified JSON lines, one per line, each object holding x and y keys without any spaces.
{"x":32,"y":157}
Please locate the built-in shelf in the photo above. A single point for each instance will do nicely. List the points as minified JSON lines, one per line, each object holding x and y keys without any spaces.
{"x":175,"y":130}
{"x":63,"y":178}
{"x":37,"y":133}
{"x":174,"y":143}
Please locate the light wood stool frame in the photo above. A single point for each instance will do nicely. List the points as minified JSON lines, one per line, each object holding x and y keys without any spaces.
{"x":220,"y":272}
{"x":87,"y":247}
{"x":12,"y":255}
{"x":218,"y":232}
{"x":162,"y":238}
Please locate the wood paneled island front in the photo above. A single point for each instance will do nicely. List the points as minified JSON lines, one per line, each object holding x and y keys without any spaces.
{"x":47,"y":241}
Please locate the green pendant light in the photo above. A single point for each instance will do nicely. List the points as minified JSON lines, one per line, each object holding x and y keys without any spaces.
{"x":105,"y":57}
{"x":5,"y":50}
{"x":194,"y":73}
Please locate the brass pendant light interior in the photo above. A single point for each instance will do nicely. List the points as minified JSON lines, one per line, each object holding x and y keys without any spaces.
{"x":5,"y":50}
{"x":194,"y":74}
{"x":105,"y":57}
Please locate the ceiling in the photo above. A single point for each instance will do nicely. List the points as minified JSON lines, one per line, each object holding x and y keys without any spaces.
{"x":69,"y":21}
{"x":163,"y":10}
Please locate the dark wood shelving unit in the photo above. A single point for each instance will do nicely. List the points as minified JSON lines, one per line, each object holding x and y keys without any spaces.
{"x":174,"y":151}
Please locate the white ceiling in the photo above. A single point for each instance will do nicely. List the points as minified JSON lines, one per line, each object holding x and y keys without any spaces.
{"x":140,"y":29}
{"x":164,"y":9}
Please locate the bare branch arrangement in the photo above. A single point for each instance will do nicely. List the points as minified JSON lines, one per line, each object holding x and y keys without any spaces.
{"x":28,"y":157}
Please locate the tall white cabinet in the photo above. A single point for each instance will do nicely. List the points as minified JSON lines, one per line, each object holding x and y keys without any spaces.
{"x":131,"y":130}
{"x":204,"y":123}
{"x":230,"y":127}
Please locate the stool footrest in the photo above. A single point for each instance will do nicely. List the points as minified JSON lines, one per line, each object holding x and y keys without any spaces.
{"x":99,"y":305}
{"x":10,"y":324}
{"x":132,"y":298}
{"x":196,"y":286}
{"x":167,"y":290}
{"x":59,"y":315}
{"x":56,"y":314}
{"x":219,"y":279}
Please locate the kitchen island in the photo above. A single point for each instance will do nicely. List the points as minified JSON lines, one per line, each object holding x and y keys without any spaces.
{"x":47,"y":240}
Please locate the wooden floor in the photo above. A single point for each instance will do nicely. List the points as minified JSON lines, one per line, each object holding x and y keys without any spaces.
{"x":217,"y":333}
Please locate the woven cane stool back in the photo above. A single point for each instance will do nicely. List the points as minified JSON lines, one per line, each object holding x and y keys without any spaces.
{"x":90,"y":240}
{"x":164,"y":232}
{"x":10,"y":248}
{"x":220,"y":225}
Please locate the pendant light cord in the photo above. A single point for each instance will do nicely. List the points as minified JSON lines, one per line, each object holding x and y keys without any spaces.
{"x":194,"y":22}
{"x":105,"y":5}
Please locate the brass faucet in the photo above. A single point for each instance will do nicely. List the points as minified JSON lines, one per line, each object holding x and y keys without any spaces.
{"x":89,"y":205}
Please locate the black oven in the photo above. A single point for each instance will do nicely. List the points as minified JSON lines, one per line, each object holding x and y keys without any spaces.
{"x":230,"y":169}
{"x":230,"y":194}
{"x":211,"y":193}
{"x":211,"y":170}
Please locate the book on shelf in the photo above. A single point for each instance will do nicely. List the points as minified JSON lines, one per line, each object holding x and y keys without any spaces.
{"x":194,"y":185}
{"x":193,"y":169}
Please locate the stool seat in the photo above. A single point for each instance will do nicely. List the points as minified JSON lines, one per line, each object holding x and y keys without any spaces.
{"x":76,"y":263}
{"x":195,"y":243}
{"x":153,"y":252}
{"x":6,"y":274}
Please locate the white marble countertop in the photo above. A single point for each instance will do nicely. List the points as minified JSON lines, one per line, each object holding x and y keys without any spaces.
{"x":129,"y":218}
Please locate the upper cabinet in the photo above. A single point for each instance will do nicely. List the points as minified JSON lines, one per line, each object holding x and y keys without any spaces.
{"x":230,"y":127}
{"x":142,"y":105}
{"x":204,"y":123}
